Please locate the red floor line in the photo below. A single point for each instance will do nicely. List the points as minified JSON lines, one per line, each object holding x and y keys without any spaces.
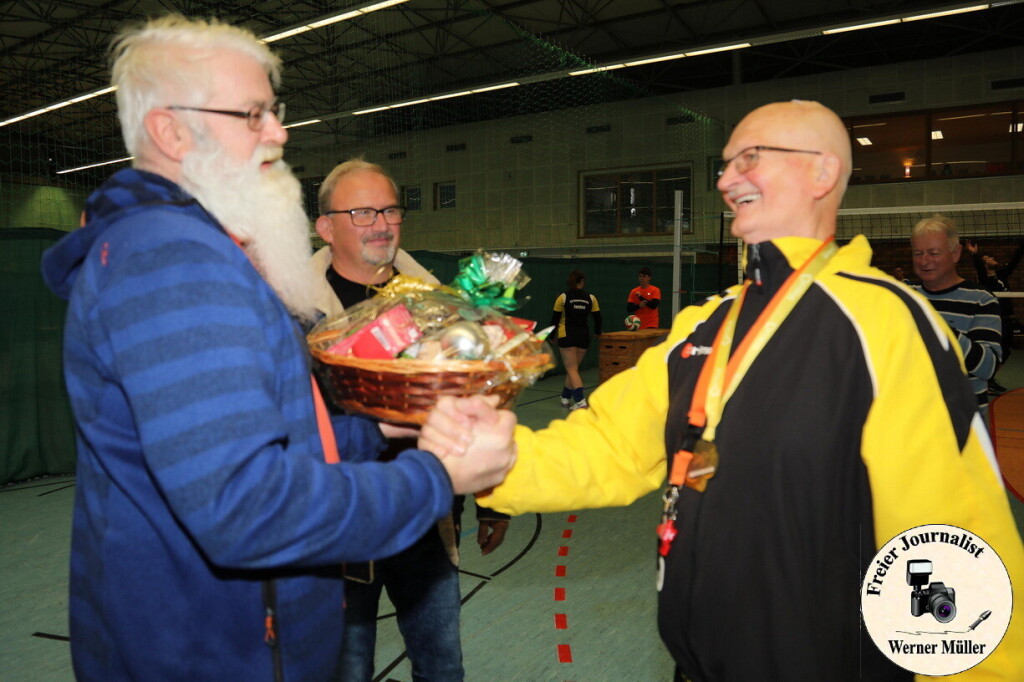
{"x":561,"y":619}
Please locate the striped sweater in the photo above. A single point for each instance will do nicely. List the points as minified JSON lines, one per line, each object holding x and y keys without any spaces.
{"x":973,"y":315}
{"x":203,"y":503}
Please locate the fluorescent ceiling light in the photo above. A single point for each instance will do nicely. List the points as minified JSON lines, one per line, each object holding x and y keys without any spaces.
{"x":869,"y":125}
{"x":451,"y":94}
{"x":299,"y":124}
{"x":936,"y":134}
{"x":489,"y":88}
{"x":864,"y":141}
{"x":370,"y":111}
{"x":344,"y":16}
{"x":58,"y":105}
{"x":500,"y":86}
{"x":652,"y":60}
{"x":857,"y":27}
{"x":409,"y":103}
{"x":596,"y":69}
{"x":737,"y":46}
{"x":333,"y":19}
{"x":946,"y":13}
{"x":957,"y":118}
{"x":94,"y":165}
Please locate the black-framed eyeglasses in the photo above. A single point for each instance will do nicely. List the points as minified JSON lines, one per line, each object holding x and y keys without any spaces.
{"x":747,"y":159}
{"x":364,"y":217}
{"x":256,"y":117}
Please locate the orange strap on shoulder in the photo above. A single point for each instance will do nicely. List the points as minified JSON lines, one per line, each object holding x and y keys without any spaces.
{"x":323,"y":423}
{"x":323,"y":418}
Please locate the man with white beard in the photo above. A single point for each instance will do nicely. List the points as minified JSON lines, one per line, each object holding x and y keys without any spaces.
{"x":212,"y":513}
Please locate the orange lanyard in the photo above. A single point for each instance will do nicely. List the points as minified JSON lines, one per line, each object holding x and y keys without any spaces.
{"x":722,"y":373}
{"x":323,"y":417}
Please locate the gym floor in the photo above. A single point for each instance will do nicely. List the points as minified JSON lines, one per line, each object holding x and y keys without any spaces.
{"x":567,"y":596}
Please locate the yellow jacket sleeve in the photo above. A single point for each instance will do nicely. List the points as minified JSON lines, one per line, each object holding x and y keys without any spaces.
{"x":608,"y":455}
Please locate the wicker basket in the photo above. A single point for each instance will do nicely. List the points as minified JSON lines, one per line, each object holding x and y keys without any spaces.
{"x":404,"y":391}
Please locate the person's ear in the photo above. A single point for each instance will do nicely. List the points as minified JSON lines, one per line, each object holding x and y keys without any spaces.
{"x":957,"y":250}
{"x":827,"y":173}
{"x":168,"y":133}
{"x":323,"y":228}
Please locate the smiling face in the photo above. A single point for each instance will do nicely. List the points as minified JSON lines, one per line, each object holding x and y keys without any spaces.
{"x":935,"y":261}
{"x":786,"y":193}
{"x":359,"y":253}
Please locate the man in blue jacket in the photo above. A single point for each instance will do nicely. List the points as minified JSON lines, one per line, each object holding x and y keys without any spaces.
{"x":208,"y":529}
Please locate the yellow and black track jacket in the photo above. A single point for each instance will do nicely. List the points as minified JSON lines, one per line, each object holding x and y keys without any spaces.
{"x":854,"y":424}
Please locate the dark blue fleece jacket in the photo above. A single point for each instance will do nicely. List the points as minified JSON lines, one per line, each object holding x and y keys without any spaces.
{"x":203,"y":503}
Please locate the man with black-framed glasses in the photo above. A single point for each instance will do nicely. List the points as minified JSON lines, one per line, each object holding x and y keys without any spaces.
{"x":215,"y":502}
{"x":361,"y":221}
{"x":802,"y":418}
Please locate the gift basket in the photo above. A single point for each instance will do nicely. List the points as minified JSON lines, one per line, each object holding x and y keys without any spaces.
{"x":393,"y":355}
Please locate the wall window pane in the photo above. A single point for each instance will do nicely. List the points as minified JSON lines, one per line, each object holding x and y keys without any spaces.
{"x":1017,"y":135}
{"x":971,"y":141}
{"x":636,"y":209}
{"x":974,"y":141}
{"x":634,"y":201}
{"x":668,"y":182}
{"x":411,"y":198}
{"x":889,"y":148}
{"x":444,"y":195}
{"x":600,"y":204}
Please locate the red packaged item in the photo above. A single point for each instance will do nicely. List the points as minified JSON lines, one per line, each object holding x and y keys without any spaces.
{"x":392,"y":332}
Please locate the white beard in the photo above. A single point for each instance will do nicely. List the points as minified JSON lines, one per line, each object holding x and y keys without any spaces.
{"x":263,"y":210}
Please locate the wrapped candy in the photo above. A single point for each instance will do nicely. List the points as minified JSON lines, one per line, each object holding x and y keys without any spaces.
{"x":394,"y":354}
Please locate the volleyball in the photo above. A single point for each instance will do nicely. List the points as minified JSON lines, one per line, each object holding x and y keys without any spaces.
{"x":632,"y":322}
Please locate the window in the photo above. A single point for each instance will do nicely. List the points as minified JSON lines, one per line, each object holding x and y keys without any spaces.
{"x":411,"y":198}
{"x":948,"y":143}
{"x":634,"y":202}
{"x":444,"y":195}
{"x":972,"y":141}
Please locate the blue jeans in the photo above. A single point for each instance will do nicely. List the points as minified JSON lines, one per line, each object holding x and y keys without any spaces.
{"x":423,"y":585}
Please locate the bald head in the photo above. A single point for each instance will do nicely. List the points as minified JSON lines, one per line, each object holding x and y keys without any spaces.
{"x":789,"y":163}
{"x":805,"y":125}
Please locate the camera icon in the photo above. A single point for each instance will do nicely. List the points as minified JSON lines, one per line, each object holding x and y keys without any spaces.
{"x":936,"y":599}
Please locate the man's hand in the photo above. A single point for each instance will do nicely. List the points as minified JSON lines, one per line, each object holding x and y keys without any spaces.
{"x":472,"y":439}
{"x":398,"y":431}
{"x":491,"y":534}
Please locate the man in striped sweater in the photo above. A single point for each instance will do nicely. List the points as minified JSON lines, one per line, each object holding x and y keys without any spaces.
{"x":971,"y":312}
{"x":208,"y":530}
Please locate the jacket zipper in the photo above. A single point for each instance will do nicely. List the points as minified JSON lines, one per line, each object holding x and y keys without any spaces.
{"x":270,"y":627}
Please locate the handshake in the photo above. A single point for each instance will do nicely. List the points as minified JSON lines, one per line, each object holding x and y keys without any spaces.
{"x":472,"y":439}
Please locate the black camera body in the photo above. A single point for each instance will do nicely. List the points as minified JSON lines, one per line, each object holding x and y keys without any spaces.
{"x":936,"y":599}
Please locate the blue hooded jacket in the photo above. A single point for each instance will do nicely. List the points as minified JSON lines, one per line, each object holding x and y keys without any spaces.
{"x":203,"y":504}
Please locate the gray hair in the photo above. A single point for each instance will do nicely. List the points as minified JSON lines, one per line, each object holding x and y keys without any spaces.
{"x":160,"y":59}
{"x":354,"y":165}
{"x":937,"y":224}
